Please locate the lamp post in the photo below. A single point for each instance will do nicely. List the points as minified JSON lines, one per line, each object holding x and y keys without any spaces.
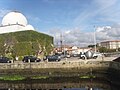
{"x":64,"y":47}
{"x":95,"y":38}
{"x":61,"y":42}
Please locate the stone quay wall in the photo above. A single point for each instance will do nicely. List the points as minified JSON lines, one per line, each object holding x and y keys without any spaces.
{"x":115,"y":65}
{"x":45,"y":65}
{"x":65,"y":68}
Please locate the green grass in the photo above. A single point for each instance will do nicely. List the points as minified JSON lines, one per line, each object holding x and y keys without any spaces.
{"x":12,"y":78}
{"x":40,"y":77}
{"x":19,"y":78}
{"x":88,"y":76}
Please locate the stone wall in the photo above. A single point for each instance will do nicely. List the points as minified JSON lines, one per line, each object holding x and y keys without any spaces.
{"x":61,"y":69}
{"x":115,"y":65}
{"x":93,"y":64}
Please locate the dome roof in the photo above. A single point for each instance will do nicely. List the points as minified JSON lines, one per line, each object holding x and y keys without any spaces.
{"x":14,"y":18}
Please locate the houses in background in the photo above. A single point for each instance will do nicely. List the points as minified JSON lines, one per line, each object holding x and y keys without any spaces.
{"x":72,"y":50}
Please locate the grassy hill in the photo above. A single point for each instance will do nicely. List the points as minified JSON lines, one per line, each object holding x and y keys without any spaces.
{"x":25,"y":43}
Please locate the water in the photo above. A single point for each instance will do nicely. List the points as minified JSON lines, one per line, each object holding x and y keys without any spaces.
{"x":60,"y":84}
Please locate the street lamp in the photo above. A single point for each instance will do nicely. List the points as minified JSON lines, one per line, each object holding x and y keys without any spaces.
{"x":95,"y":38}
{"x":64,"y":48}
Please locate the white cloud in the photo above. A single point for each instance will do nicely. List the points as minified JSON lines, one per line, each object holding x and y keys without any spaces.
{"x":99,"y":11}
{"x":108,"y":33}
{"x":105,"y":3}
{"x":114,"y":32}
{"x":80,"y":38}
{"x":108,"y":10}
{"x":72,"y":37}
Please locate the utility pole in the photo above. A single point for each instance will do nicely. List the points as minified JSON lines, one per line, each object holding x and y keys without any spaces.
{"x":61,"y":41}
{"x":95,"y":38}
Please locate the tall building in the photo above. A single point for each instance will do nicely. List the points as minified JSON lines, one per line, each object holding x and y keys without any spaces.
{"x":14,"y":21}
{"x":114,"y":44}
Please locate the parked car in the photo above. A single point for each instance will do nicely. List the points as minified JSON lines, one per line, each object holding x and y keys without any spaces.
{"x":74,"y":55}
{"x":97,"y":54}
{"x":4,"y":60}
{"x":53,"y":58}
{"x":67,"y":56}
{"x":31,"y":58}
{"x":90,"y":55}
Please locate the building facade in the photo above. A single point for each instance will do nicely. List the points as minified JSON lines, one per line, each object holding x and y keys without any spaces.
{"x":115,"y":44}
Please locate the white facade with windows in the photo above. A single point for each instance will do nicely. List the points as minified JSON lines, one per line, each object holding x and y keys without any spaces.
{"x":110,"y":44}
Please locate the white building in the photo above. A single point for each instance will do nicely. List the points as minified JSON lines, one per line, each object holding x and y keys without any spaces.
{"x":14,"y":21}
{"x":75,"y":50}
{"x":115,"y":44}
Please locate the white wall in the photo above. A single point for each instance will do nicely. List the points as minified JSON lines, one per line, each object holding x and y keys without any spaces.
{"x":12,"y":28}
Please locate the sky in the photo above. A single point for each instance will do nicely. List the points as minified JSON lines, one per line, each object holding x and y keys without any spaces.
{"x":76,"y":20}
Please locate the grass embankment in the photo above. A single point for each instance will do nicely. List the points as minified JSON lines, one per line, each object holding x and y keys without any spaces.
{"x":19,"y":78}
{"x":88,"y":76}
{"x":12,"y":78}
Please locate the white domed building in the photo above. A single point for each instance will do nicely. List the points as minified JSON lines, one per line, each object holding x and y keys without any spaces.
{"x":14,"y":21}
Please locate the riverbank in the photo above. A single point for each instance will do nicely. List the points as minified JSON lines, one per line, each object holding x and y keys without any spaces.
{"x":53,"y":69}
{"x":56,"y":83}
{"x":67,"y":68}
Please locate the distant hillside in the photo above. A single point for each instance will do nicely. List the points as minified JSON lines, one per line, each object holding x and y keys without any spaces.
{"x":25,"y":43}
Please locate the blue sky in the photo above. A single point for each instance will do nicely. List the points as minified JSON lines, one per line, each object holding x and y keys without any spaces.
{"x":66,"y":16}
{"x":47,"y":14}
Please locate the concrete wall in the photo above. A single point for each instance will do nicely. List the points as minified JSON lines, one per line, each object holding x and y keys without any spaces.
{"x":115,"y":65}
{"x":40,"y":65}
{"x":61,"y":69}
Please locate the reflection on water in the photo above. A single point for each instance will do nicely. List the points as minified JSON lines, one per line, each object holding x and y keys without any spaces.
{"x":60,"y":84}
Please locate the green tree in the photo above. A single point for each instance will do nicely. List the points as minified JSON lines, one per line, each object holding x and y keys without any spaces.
{"x":102,"y":50}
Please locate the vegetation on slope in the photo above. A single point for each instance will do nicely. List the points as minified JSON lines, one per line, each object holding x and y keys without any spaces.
{"x":25,"y":43}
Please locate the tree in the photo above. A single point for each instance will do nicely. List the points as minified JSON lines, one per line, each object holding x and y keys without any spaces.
{"x":91,"y":46}
{"x":103,"y":49}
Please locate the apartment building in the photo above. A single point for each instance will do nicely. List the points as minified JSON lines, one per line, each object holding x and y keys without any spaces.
{"x":114,"y":44}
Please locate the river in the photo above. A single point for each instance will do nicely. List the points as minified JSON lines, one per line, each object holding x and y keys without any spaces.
{"x":68,"y":83}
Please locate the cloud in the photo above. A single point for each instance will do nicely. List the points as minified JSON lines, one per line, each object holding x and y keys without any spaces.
{"x":79,"y":38}
{"x":108,"y":33}
{"x":99,"y":12}
{"x":72,"y":37}
{"x":107,"y":7}
{"x":105,"y":3}
{"x":114,"y":32}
